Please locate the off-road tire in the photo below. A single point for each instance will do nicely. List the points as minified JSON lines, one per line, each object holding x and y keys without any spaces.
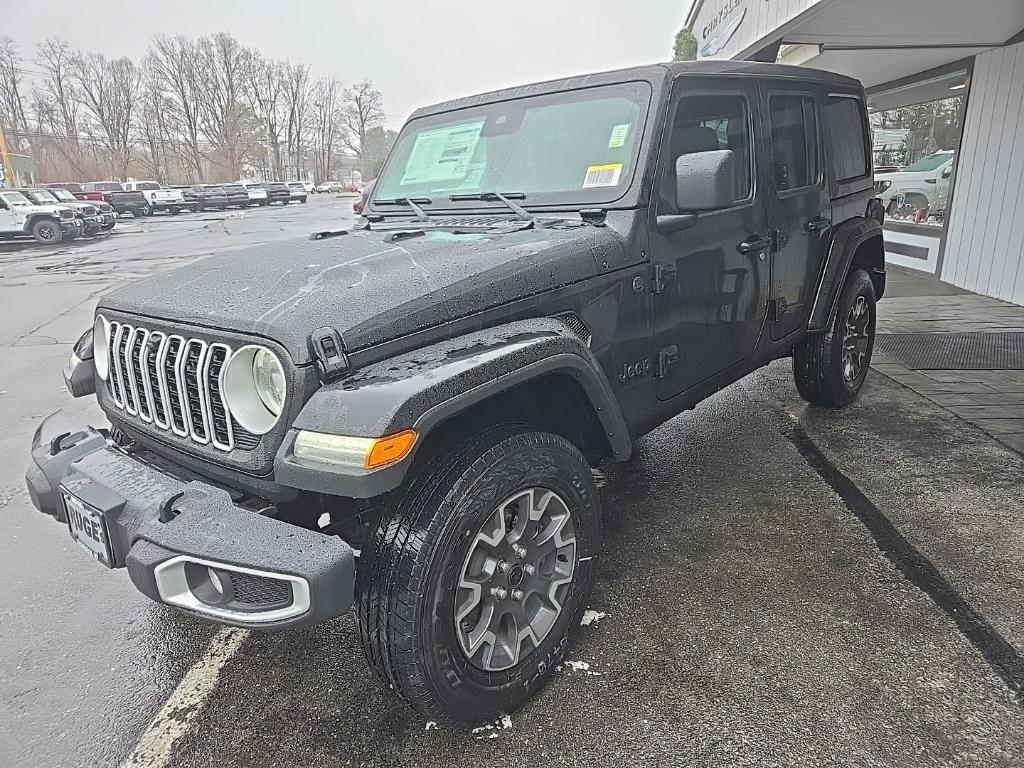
{"x":407,"y":579}
{"x":47,"y":232}
{"x":147,"y":210}
{"x":818,"y":359}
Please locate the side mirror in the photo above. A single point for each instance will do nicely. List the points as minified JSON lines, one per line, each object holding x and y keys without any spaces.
{"x":3,"y":205}
{"x":705,"y":181}
{"x":946,"y":173}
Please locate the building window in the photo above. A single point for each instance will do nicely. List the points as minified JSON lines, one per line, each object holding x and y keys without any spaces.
{"x":847,"y":139}
{"x":794,"y":141}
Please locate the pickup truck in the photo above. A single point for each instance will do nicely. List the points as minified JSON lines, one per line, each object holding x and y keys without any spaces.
{"x":401,"y":418}
{"x":157,"y":197}
{"x":112,"y":193}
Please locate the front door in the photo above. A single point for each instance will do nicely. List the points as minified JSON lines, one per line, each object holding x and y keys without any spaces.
{"x":710,"y":279}
{"x":799,"y":208}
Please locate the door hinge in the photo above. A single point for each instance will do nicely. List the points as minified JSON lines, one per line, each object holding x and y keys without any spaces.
{"x":663,"y":275}
{"x":667,"y":357}
{"x":776,"y":309}
{"x":773,"y":235}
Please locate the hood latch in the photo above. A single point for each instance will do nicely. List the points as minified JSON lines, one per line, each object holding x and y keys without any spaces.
{"x":331,"y":362}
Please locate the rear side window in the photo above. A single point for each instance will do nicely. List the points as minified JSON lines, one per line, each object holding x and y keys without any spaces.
{"x":714,"y":122}
{"x":794,"y":141}
{"x":847,"y":137}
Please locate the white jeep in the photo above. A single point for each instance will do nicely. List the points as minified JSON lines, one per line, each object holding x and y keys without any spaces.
{"x":48,"y":224}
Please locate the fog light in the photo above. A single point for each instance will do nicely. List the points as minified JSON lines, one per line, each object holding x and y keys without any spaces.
{"x":215,"y":582}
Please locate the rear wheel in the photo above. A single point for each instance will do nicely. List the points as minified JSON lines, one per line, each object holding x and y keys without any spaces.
{"x":47,"y":232}
{"x":473,"y":591}
{"x":830,"y":368}
{"x":146,"y":210}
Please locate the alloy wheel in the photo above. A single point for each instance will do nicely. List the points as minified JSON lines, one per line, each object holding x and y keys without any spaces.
{"x":515,"y":578}
{"x":856,"y":338}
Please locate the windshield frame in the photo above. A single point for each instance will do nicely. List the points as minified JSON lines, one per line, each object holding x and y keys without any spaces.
{"x":648,"y":94}
{"x":56,"y":194}
{"x":47,"y":195}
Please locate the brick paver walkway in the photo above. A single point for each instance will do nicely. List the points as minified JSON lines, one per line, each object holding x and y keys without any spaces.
{"x":991,"y":400}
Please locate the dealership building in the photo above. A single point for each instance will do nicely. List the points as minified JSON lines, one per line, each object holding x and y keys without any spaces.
{"x":945,"y":87}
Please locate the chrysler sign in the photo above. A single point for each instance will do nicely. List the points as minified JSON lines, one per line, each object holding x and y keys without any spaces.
{"x":721,"y":27}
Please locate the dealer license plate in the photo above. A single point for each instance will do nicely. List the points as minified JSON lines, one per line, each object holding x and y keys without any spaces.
{"x":88,"y":528}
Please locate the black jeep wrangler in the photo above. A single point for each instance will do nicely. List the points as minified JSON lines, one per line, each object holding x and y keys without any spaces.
{"x":403,"y":417}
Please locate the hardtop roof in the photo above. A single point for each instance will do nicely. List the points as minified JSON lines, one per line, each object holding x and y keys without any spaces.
{"x":652,"y":73}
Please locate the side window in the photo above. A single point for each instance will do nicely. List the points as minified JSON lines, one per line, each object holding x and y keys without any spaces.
{"x":847,"y":137}
{"x":794,"y":141}
{"x":712,"y":122}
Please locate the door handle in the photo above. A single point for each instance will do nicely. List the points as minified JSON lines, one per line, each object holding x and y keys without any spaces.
{"x":818,"y":222}
{"x":754,"y":243}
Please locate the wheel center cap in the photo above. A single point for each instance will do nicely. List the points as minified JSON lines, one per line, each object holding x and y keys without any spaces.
{"x":515,"y":576}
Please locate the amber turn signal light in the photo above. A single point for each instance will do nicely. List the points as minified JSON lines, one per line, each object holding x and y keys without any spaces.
{"x":389,"y":449}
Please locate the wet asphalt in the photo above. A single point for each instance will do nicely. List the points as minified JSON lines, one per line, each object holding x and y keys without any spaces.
{"x":780,"y":585}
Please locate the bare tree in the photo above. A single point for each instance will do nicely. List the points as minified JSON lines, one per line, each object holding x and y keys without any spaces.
{"x":109,"y":88}
{"x":326,"y":123}
{"x":363,"y":109}
{"x":220,"y":99}
{"x":266,"y":89}
{"x":57,"y":100}
{"x":296,"y":99}
{"x":173,"y":63}
{"x":12,"y":106}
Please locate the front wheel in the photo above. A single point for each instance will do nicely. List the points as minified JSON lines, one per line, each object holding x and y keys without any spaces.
{"x":473,"y":591}
{"x":830,"y":368}
{"x":47,"y":232}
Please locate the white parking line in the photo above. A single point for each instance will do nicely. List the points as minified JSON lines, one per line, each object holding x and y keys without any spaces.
{"x":153,"y":749}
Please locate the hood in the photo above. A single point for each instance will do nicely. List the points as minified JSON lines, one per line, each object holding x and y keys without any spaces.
{"x":368,"y":288}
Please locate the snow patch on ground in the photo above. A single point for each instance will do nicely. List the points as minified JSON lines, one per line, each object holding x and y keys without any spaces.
{"x":592,"y":617}
{"x":582,"y":667}
{"x":502,"y":723}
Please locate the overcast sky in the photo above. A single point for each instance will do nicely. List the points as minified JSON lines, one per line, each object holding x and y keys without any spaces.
{"x":416,"y":52}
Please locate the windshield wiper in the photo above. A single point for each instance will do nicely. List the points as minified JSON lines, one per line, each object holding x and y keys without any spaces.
{"x":411,"y":202}
{"x":521,"y":212}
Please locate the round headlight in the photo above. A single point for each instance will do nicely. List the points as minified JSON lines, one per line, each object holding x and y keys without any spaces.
{"x":100,"y":350}
{"x":268,"y":375}
{"x":254,"y":386}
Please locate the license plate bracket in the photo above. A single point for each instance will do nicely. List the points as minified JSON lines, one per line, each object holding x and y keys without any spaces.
{"x":88,"y":528}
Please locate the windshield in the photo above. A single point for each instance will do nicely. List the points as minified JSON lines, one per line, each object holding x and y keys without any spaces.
{"x":62,"y":194}
{"x":42,"y":196}
{"x":107,"y":186}
{"x":929,"y":163}
{"x":147,"y":185}
{"x":575,"y":148}
{"x":14,"y":198}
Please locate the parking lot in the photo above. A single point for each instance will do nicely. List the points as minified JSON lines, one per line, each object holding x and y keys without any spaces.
{"x":779,"y":586}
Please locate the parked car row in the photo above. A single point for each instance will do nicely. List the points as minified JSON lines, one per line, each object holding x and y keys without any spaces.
{"x":144,"y":198}
{"x":46,"y":223}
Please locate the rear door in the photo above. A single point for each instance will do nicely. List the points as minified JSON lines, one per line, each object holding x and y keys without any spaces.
{"x":710,"y":279}
{"x":799,"y":209}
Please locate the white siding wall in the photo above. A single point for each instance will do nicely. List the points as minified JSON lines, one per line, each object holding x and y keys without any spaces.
{"x":984,"y":250}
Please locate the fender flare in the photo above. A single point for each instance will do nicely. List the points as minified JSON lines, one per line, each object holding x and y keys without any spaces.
{"x":421,"y":389}
{"x":846,"y":239}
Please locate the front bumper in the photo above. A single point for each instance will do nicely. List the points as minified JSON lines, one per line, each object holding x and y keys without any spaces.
{"x":179,"y":535}
{"x":71,"y":227}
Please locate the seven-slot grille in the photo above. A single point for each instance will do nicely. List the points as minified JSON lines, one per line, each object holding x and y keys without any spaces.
{"x":174,"y":384}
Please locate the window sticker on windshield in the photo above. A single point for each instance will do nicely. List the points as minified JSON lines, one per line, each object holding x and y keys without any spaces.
{"x":618,"y":137}
{"x":442,"y":154}
{"x":602,"y":175}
